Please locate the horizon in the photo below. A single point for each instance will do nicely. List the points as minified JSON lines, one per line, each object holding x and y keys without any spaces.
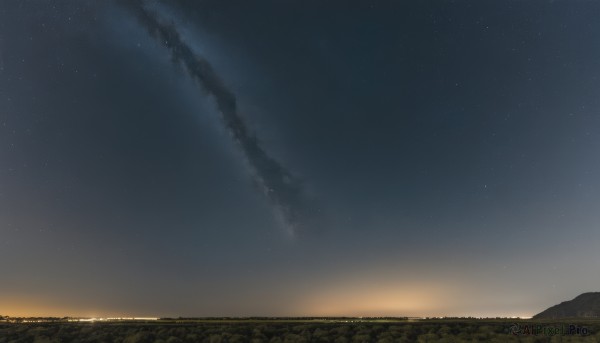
{"x":298,"y":158}
{"x":116,"y":314}
{"x":292,"y":318}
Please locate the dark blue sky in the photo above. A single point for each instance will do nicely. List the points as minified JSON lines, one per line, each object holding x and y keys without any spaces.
{"x":414,"y":158}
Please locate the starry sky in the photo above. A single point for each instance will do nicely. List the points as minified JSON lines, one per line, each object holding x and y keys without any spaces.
{"x":298,"y":158}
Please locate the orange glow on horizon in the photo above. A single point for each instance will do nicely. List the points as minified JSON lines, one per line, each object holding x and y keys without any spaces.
{"x":349,"y":296}
{"x":411,"y":301}
{"x":21,"y":306}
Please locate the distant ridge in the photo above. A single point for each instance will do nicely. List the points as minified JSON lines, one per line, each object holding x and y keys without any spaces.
{"x":585,"y":305}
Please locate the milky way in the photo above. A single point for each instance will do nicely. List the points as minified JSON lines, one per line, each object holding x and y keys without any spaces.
{"x":283,"y":190}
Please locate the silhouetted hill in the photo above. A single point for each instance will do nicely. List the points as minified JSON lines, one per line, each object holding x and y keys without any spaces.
{"x":584,"y":305}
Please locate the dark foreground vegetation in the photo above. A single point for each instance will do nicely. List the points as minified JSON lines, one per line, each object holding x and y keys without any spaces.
{"x":280,"y":331}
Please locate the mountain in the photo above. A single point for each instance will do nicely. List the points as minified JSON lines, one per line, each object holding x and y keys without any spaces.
{"x":584,"y":305}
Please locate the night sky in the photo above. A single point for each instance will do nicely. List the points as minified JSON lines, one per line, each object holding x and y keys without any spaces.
{"x":298,"y":158}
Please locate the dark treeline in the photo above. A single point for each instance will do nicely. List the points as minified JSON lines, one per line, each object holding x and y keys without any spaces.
{"x":282,"y":332}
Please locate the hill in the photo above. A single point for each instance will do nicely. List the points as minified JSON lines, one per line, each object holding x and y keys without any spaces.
{"x":585,"y":305}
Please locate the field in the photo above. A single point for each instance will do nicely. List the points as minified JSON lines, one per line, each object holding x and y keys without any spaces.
{"x":304,"y":330}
